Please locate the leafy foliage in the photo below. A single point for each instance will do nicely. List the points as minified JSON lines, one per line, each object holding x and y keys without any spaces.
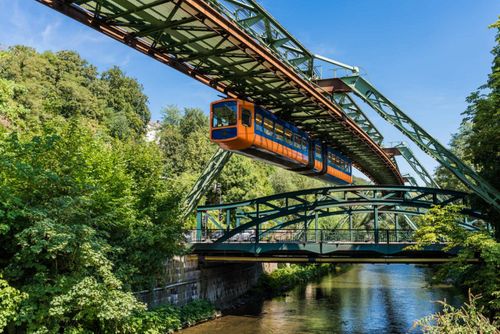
{"x":169,"y":318}
{"x":285,"y":278}
{"x":439,"y":224}
{"x":465,"y":320}
{"x":61,"y":85}
{"x":10,"y":301}
{"x":478,"y":139}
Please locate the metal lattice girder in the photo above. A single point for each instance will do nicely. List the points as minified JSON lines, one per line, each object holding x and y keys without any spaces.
{"x":306,"y":205}
{"x":354,"y":112}
{"x":210,"y":173}
{"x":390,"y":112}
{"x":220,"y":49}
{"x":410,"y":179}
{"x":424,"y":175}
{"x":259,"y":24}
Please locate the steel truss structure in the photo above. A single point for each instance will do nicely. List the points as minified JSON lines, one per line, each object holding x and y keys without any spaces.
{"x":239,"y":49}
{"x":395,"y":116}
{"x":305,"y":207}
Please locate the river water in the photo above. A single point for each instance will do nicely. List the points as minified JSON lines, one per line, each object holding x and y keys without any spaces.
{"x":371,"y":298}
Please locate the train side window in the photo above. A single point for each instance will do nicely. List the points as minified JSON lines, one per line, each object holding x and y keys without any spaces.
{"x":288,"y":136}
{"x":304,"y":144}
{"x":317,"y":151}
{"x":258,"y":119}
{"x":331,"y":158}
{"x":268,"y":127}
{"x":246,"y":117}
{"x":296,"y":141}
{"x":279,"y":132}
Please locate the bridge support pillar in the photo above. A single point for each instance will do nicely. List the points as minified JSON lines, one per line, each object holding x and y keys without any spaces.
{"x":375,"y":224}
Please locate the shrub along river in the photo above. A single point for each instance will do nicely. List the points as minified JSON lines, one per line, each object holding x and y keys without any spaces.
{"x":370,"y":298}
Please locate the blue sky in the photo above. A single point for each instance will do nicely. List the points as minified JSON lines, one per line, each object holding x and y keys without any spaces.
{"x":425,"y":55}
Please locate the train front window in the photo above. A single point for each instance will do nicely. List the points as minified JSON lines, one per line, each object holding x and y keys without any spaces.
{"x":224,"y":114}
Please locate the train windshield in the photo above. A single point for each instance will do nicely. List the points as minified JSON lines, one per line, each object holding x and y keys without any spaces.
{"x":224,"y":114}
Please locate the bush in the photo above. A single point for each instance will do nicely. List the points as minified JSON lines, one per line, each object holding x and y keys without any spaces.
{"x":285,"y":278}
{"x":169,"y":318}
{"x":465,"y":320}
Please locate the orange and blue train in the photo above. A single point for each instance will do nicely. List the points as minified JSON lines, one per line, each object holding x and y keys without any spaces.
{"x":246,"y":128}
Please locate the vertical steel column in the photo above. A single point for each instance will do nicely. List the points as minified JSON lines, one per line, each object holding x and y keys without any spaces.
{"x":316,"y":226}
{"x":375,"y":223}
{"x":199,"y":219}
{"x":228,"y":219}
{"x":396,"y":223}
{"x":305,"y":226}
{"x":350,"y":225}
{"x":257,"y":230}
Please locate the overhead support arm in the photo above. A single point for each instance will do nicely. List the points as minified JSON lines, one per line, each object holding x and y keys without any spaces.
{"x":354,"y":69}
{"x":391,"y":113}
{"x":355,"y":113}
{"x":407,"y":153}
{"x":208,"y":175}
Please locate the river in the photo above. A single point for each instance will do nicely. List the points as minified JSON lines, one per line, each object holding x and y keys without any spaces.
{"x":370,"y":298}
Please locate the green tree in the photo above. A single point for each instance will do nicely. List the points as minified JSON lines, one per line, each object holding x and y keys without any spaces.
{"x":62,"y":85}
{"x":439,"y":224}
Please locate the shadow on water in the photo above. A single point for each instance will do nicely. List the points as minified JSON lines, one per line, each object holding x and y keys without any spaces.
{"x":365,"y":299}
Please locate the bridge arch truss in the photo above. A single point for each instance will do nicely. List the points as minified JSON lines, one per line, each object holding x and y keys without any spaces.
{"x":306,"y":207}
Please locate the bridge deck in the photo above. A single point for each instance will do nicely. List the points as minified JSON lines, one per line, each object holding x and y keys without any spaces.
{"x":198,"y":39}
{"x":326,"y":252}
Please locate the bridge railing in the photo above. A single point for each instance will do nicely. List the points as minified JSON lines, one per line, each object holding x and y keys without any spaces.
{"x":373,"y":236}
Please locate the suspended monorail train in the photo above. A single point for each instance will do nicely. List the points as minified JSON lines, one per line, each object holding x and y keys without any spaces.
{"x":245,"y":128}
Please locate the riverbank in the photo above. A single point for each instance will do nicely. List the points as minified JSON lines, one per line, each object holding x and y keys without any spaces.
{"x":170,"y":318}
{"x":368,"y":298}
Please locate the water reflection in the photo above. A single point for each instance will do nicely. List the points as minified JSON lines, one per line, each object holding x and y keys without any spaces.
{"x":365,"y":299}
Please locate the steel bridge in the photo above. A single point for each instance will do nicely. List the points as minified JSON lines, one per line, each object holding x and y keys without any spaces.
{"x":239,"y":49}
{"x":291,"y":225}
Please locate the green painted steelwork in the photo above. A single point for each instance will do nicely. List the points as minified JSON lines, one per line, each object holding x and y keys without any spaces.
{"x":261,"y":62}
{"x":236,"y":47}
{"x":419,"y":169}
{"x":209,"y":174}
{"x":306,"y":206}
{"x":354,"y":112}
{"x":394,"y":115}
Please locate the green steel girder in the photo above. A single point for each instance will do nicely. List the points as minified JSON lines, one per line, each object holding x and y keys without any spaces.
{"x":352,"y":110}
{"x":308,"y":204}
{"x":259,"y":24}
{"x":422,"y":173}
{"x":394,"y":115}
{"x":193,"y":36}
{"x":209,"y":174}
